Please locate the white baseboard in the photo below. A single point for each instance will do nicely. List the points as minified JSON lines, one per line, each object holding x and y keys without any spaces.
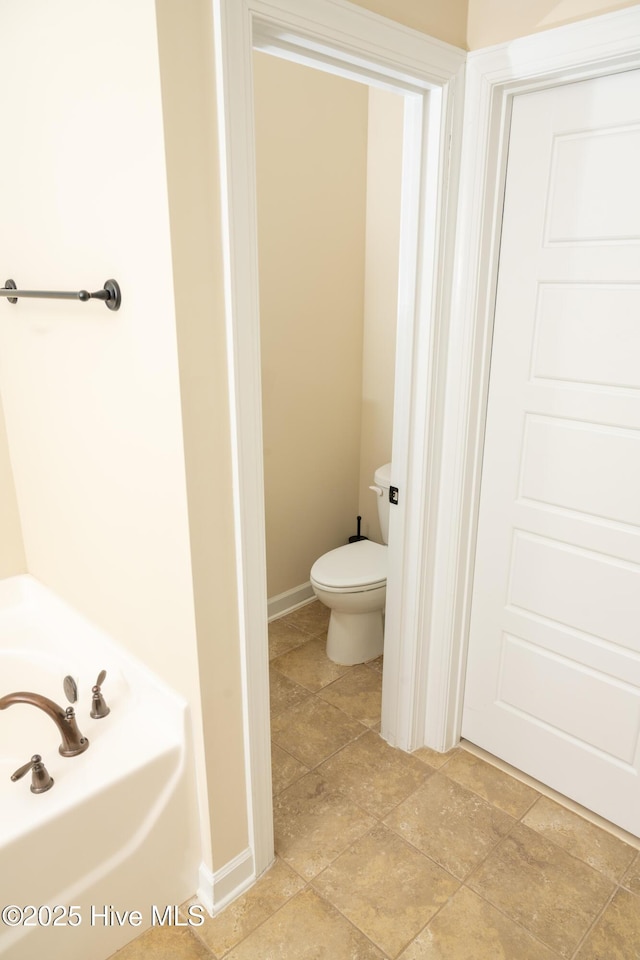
{"x":217,"y":890}
{"x":289,"y":600}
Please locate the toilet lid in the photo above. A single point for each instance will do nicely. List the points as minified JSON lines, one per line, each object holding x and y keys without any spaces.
{"x":359,"y":564}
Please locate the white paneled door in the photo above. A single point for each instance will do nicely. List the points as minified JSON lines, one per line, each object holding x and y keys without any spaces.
{"x":553,"y":677}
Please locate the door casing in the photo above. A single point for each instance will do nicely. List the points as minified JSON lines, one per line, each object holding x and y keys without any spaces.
{"x":592,"y":48}
{"x":353,"y":43}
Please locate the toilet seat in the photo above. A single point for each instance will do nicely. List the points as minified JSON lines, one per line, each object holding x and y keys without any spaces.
{"x":354,"y":567}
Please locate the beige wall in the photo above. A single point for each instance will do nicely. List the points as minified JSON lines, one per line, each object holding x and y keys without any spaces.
{"x":444,"y":19}
{"x":319,"y":354}
{"x":311,"y":134}
{"x":188,"y":96}
{"x":12,"y":558}
{"x":496,"y":21}
{"x":92,"y":397}
{"x":384,"y":175}
{"x":472,"y":24}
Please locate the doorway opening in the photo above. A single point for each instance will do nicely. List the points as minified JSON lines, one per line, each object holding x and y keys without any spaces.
{"x":329,"y":171}
{"x":354,"y":44}
{"x":329,"y":174}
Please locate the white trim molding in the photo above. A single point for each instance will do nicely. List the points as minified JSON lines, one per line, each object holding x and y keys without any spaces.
{"x":217,"y":890}
{"x":290,"y":600}
{"x":352,"y":41}
{"x":595,"y":47}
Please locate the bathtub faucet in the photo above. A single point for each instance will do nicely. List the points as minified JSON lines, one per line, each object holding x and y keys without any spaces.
{"x":73,"y":742}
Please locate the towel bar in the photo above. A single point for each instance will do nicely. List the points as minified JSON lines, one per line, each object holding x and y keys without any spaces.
{"x":110,"y":294}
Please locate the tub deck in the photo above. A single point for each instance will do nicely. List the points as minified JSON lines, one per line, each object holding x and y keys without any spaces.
{"x":117,"y":827}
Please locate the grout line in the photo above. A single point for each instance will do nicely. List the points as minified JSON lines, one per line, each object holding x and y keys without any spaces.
{"x":517,"y":923}
{"x":519,"y":820}
{"x":540,"y":789}
{"x":266,"y":919}
{"x":551,"y":794}
{"x":344,"y":916}
{"x":408,"y":843}
{"x":592,"y":925}
{"x":296,"y":779}
{"x":551,"y":839}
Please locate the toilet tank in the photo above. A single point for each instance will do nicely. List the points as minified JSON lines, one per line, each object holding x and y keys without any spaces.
{"x":382,"y":479}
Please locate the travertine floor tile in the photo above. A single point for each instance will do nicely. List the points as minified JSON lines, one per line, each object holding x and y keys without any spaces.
{"x":494,"y":785}
{"x":373,"y":774}
{"x":164,"y":943}
{"x":348,"y":887}
{"x":285,"y":769}
{"x":631,"y":878}
{"x":358,"y":694}
{"x":283,"y":637}
{"x":314,"y":823}
{"x":309,"y":665}
{"x":539,"y":885}
{"x":284,"y":693}
{"x":616,"y":935}
{"x":313,"y":618}
{"x":313,"y":730}
{"x":375,"y":664}
{"x":386,"y":888}
{"x":469,"y":928}
{"x":577,"y":836}
{"x":306,"y":928}
{"x":450,"y":823}
{"x":271,"y":892}
{"x":433,"y":758}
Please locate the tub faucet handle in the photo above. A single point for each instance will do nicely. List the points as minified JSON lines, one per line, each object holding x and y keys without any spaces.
{"x":40,"y":779}
{"x":70,"y":689}
{"x":99,"y":708}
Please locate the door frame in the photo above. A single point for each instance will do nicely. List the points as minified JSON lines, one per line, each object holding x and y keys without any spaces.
{"x":354,"y":43}
{"x":591,"y":48}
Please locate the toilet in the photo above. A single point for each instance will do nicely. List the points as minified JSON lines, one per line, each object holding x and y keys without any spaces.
{"x":352,"y":581}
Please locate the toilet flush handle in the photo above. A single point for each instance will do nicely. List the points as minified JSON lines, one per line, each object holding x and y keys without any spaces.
{"x":377,"y":490}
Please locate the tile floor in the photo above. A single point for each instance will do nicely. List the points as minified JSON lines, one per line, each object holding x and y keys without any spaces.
{"x":425,"y":857}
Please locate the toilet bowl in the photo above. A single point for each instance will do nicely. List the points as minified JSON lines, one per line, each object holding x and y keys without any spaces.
{"x":352,"y":581}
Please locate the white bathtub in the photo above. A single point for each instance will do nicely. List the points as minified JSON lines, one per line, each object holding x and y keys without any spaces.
{"x":118,"y":829}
